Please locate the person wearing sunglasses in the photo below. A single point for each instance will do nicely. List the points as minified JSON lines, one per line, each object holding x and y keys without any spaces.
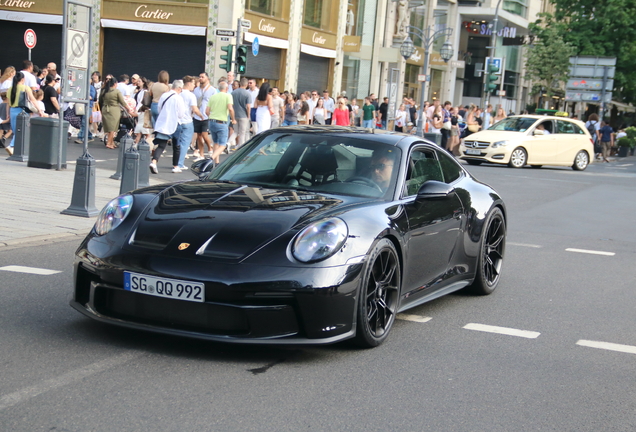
{"x":381,"y":168}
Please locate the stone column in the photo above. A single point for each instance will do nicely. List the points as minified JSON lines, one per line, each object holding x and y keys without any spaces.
{"x":341,"y":32}
{"x":210,"y":39}
{"x":293,"y":53}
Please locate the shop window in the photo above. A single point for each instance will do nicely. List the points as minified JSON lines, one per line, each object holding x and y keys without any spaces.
{"x":266,"y":7}
{"x":317,"y":14}
{"x":517,"y":7}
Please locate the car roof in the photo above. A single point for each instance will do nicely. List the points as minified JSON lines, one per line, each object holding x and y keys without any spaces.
{"x":386,"y":137}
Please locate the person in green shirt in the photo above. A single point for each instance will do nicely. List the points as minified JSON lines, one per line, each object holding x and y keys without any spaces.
{"x":220,"y":107}
{"x":368,"y":114}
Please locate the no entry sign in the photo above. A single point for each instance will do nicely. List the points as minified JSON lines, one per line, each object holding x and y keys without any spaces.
{"x":30,"y":39}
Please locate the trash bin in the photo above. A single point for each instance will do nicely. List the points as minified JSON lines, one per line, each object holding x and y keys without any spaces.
{"x":44,"y":145}
{"x":434,"y":137}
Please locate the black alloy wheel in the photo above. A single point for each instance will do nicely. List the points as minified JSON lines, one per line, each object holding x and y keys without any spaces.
{"x":491,"y":258}
{"x":379,"y":294}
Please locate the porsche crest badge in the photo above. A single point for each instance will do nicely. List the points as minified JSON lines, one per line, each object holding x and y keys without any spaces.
{"x":184,"y":246}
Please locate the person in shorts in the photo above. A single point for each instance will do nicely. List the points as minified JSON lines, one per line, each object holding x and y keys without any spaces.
{"x":220,"y":106}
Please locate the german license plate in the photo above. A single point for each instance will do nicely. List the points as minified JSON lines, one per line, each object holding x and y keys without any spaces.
{"x":473,"y":151}
{"x":164,"y":287}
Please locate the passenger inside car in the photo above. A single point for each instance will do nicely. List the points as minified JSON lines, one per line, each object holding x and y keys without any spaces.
{"x":544,"y":127}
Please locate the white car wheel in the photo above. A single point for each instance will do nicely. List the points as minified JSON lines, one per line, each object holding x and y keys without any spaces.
{"x":518,"y":158}
{"x":581,"y":161}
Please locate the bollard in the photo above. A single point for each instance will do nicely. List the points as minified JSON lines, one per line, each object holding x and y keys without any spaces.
{"x":124,"y":144}
{"x":83,"y":198}
{"x":22,"y":138}
{"x":144,"y":161}
{"x":130,"y":171}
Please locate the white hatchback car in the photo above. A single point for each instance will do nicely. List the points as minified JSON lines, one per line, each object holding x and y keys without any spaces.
{"x":531,"y":140}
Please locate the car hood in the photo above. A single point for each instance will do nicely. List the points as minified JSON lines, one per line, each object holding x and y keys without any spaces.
{"x":494,"y":136}
{"x":226,"y":221}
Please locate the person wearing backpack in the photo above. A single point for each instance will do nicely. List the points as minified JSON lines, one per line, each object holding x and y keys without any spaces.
{"x":593,"y":126}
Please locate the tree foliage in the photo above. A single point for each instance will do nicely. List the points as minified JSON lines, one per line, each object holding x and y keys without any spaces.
{"x":598,"y":28}
{"x":547,"y":61}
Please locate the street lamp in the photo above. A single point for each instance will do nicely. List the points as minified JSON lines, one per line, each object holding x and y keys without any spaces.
{"x":427,"y":37}
{"x":407,"y":48}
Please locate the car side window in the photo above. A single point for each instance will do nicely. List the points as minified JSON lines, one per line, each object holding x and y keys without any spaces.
{"x":565,"y":127}
{"x":423,"y":166}
{"x":450,"y":169}
{"x":547,"y":125}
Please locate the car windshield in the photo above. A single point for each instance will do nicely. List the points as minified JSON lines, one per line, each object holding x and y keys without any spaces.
{"x":344,"y":164}
{"x":514,"y":124}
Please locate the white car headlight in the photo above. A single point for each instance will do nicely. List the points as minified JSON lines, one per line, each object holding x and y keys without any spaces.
{"x":113,"y":214}
{"x":499,"y":144}
{"x":320,"y":240}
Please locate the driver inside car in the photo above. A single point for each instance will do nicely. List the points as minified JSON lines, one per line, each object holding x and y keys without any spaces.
{"x":381,"y":168}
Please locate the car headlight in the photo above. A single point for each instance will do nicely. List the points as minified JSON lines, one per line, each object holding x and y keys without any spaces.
{"x":499,"y":144}
{"x":320,"y":240}
{"x":113,"y":214}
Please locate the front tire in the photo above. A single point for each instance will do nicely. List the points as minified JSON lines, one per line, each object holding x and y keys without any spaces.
{"x":379,"y":295}
{"x":491,"y":256}
{"x":518,"y":158}
{"x":581,"y":161}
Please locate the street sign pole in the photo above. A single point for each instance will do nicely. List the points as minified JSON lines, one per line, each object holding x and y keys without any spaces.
{"x":83,"y":198}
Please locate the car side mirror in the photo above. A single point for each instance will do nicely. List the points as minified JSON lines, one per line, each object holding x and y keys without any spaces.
{"x":202,"y":167}
{"x":433,"y":189}
{"x":537,"y":132}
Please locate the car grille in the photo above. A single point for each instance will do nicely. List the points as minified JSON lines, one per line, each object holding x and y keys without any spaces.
{"x":476,"y":144}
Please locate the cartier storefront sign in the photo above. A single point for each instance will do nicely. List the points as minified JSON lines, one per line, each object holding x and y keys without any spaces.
{"x":52,"y":7}
{"x":268,"y":26}
{"x":351,"y":43}
{"x":156,"y":12}
{"x":318,"y":38}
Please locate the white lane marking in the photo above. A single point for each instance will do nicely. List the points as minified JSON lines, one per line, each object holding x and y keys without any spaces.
{"x":502,"y":330}
{"x":30,"y":270}
{"x":593,"y":252}
{"x":608,"y":346}
{"x":624,"y":165}
{"x":25,"y":394}
{"x":414,"y":318}
{"x":524,"y":245}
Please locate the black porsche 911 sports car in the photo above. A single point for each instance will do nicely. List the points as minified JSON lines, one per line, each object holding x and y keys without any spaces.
{"x":305,"y":235}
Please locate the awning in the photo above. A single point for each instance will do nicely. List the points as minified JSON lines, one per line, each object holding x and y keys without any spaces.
{"x":30,"y":17}
{"x":319,"y":52}
{"x":267,"y":41}
{"x":624,"y":107}
{"x":153,"y":27}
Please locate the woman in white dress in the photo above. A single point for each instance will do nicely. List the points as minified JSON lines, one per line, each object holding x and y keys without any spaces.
{"x":264,"y":108}
{"x":144,"y":120}
{"x":401,"y":118}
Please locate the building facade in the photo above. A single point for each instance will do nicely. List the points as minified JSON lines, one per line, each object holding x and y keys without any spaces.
{"x":350,"y":46}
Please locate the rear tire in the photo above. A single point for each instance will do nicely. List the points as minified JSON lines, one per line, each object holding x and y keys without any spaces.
{"x":491,"y":254}
{"x":581,"y":161}
{"x":518,"y":158}
{"x":378,"y":296}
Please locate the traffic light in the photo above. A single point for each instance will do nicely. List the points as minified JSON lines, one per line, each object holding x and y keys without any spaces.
{"x":241,"y":59}
{"x":491,"y":77}
{"x":227,"y":57}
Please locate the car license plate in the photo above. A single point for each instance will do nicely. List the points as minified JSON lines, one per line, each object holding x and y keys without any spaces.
{"x":473,"y":152}
{"x":164,"y":287}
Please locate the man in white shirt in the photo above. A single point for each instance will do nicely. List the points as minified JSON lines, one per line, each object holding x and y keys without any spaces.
{"x":171,"y":109}
{"x":182,"y":138}
{"x":202,"y":93}
{"x":251,"y":87}
{"x":312,"y":104}
{"x":230,"y":80}
{"x":330,"y":106}
{"x":29,"y":78}
{"x":487,"y":120}
{"x":122,"y":85}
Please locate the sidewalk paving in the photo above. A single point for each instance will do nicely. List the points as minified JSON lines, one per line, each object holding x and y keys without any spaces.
{"x":32,"y":199}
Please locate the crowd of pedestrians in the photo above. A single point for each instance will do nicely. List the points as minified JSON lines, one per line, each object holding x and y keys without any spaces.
{"x":192,"y":113}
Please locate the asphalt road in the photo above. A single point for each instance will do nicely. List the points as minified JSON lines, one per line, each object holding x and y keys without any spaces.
{"x":442,"y":368}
